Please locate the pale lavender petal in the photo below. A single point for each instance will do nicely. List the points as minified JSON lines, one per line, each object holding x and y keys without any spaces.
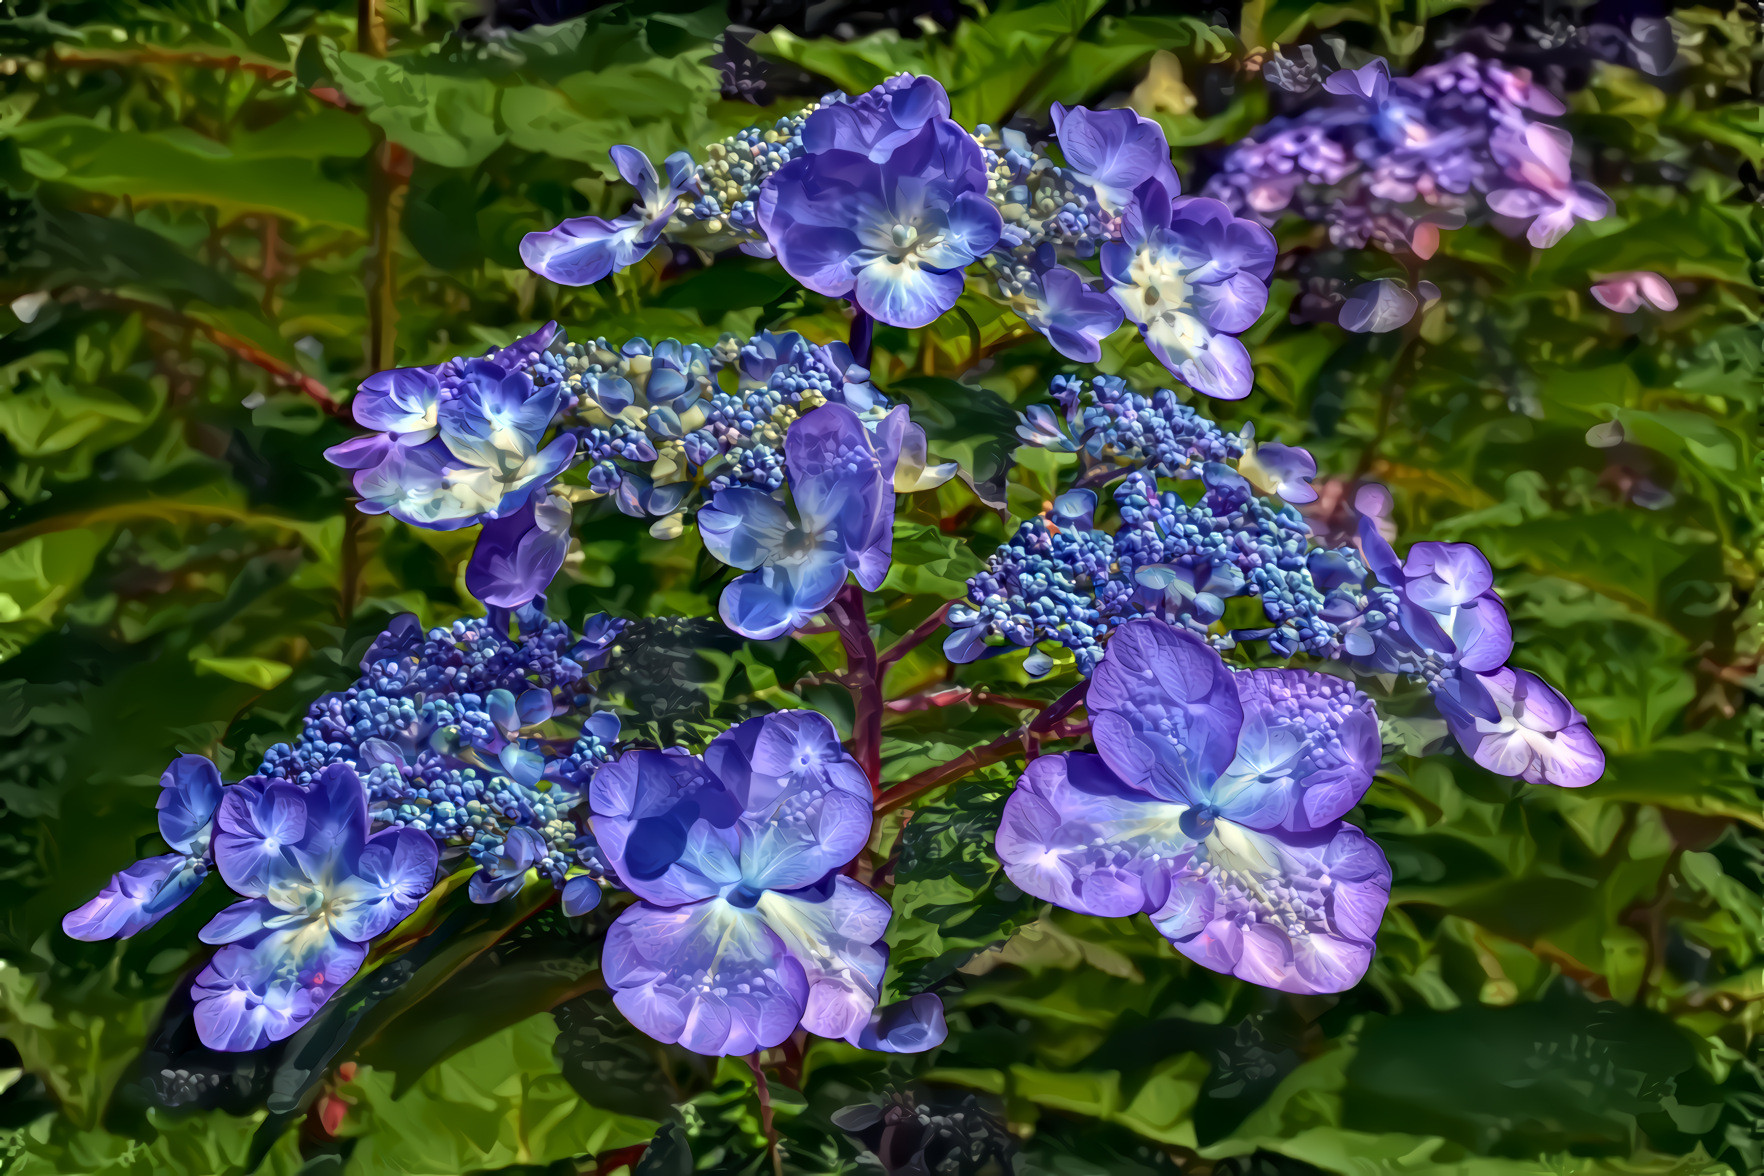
{"x":135,"y":898}
{"x":1442,"y":576}
{"x":1538,"y":737}
{"x":836,"y":936}
{"x":1077,"y":836}
{"x":712,"y":977}
{"x":1377,"y":307}
{"x":258,"y":991}
{"x":1298,"y":914}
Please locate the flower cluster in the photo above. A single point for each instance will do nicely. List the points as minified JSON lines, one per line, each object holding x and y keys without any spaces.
{"x":883,"y":200}
{"x":646,"y":426}
{"x":456,"y":443}
{"x":653,"y":424}
{"x":1393,"y":161}
{"x":481,"y":741}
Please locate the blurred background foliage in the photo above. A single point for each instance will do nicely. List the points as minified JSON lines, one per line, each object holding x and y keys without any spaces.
{"x":218,"y":215}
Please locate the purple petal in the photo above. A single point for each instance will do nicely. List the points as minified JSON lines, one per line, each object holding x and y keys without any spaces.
{"x":906,"y":294}
{"x":913,"y":1025}
{"x":517,"y":557}
{"x":1538,"y":737}
{"x":258,"y":828}
{"x":1115,"y":150}
{"x":782,"y":598}
{"x":135,"y":898}
{"x":394,"y":872}
{"x":581,"y":894}
{"x":189,"y":792}
{"x":256,"y":992}
{"x":583,"y":250}
{"x":239,"y":921}
{"x":1164,"y":710}
{"x":1076,"y":835}
{"x":1306,"y":754}
{"x":712,"y":977}
{"x":1331,"y":888}
{"x":666,"y":826}
{"x":336,"y":820}
{"x":743,"y":525}
{"x":836,"y":937}
{"x":1377,"y":307}
{"x":1442,"y":576}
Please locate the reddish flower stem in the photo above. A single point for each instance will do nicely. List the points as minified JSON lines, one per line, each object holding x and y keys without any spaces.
{"x":913,"y":639}
{"x":863,"y":670}
{"x":1026,"y":740}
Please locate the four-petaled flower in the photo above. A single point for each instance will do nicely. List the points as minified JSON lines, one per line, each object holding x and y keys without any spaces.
{"x":1214,"y":805}
{"x":317,"y":887}
{"x":1192,"y":276}
{"x":745,"y":928}
{"x":138,"y":897}
{"x":842,"y":485}
{"x":893,"y":236}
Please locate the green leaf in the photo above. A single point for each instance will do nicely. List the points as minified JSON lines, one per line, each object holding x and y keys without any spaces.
{"x":450,"y":121}
{"x":951,"y":898}
{"x":929,"y":562}
{"x":260,"y":672}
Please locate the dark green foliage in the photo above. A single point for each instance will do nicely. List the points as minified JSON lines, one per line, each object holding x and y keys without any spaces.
{"x":1567,"y":983}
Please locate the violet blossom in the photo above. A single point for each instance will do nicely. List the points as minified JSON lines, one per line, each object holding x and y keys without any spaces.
{"x":895,"y":235}
{"x":745,"y":927}
{"x":1213,"y":804}
{"x":136,"y":898}
{"x":317,"y":888}
{"x":1192,"y":276}
{"x":841,"y":480}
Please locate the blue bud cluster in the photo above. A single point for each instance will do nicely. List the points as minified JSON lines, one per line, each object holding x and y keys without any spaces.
{"x":1064,"y":580}
{"x":1107,"y":420}
{"x":418,"y":728}
{"x":734,"y":168}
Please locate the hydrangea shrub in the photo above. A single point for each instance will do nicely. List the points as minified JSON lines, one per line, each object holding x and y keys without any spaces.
{"x":804,"y":685}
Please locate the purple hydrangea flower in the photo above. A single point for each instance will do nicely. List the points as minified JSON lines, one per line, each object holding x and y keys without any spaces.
{"x":518,"y":556}
{"x":585,"y":249}
{"x":893,"y":236}
{"x":1214,"y":805}
{"x":1057,"y":301}
{"x":1192,"y":276}
{"x":842,"y":485}
{"x":745,"y":928}
{"x":1286,"y":470}
{"x":138,"y":897}
{"x":1521,"y":726}
{"x":1448,"y":614}
{"x":317,"y":888}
